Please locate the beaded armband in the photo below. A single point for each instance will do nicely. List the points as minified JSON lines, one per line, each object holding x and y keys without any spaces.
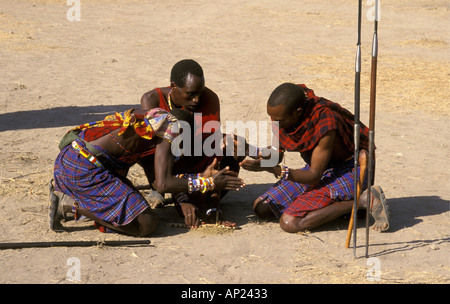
{"x":202,"y":184}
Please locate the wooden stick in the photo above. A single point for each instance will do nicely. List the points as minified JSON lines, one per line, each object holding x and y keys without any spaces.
{"x":71,"y":244}
{"x":143,"y":187}
{"x":363,"y":165}
{"x":373,"y":86}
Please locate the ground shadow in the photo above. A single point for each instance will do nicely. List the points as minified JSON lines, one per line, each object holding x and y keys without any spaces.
{"x":237,"y":206}
{"x":405,"y":246}
{"x":404,"y":212}
{"x":58,"y":117}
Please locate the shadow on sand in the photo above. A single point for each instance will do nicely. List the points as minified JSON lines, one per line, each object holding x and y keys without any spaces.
{"x":58,"y":117}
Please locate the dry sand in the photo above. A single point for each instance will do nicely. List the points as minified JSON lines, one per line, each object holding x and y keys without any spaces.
{"x":56,"y":74}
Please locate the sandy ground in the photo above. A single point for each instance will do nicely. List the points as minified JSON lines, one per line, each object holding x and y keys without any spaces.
{"x":56,"y":74}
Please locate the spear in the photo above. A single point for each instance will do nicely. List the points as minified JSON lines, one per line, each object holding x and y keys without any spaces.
{"x":356,"y":125}
{"x":373,"y":85}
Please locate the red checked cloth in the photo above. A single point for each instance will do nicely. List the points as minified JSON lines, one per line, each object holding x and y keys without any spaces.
{"x":321,"y":116}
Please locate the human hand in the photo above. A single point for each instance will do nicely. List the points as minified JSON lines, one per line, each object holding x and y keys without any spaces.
{"x":252,"y":165}
{"x":190,"y":215}
{"x":211,"y":169}
{"x":227,"y":180}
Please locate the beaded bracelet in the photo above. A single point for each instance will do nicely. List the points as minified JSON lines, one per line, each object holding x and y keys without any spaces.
{"x":187,"y":175}
{"x":208,"y":184}
{"x":209,"y":211}
{"x":284,"y":173}
{"x":181,"y":198}
{"x":202,"y":184}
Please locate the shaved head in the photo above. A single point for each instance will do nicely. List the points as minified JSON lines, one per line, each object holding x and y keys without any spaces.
{"x":289,"y":95}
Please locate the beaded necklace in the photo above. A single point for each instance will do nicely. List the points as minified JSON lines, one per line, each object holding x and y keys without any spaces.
{"x":169,"y":101}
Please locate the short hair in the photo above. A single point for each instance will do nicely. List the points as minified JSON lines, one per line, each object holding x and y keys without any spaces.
{"x":182,"y":69}
{"x":290,"y":95}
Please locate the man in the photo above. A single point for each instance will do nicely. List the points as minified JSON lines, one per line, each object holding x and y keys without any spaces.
{"x":90,"y":171}
{"x":322,"y":131}
{"x":187,"y":90}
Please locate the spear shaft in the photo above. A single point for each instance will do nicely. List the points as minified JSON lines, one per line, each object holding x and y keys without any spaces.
{"x":373,"y":86}
{"x":357,"y":122}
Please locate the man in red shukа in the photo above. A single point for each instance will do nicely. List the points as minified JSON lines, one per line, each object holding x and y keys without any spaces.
{"x":322,"y":132}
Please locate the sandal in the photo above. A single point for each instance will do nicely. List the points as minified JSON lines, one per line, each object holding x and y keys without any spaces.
{"x":57,"y":212}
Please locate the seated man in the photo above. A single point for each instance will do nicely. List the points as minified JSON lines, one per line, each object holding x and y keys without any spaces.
{"x":322,"y":132}
{"x":187,"y":91}
{"x":90,"y":171}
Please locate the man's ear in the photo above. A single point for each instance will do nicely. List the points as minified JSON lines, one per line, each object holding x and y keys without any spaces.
{"x":299,"y":112}
{"x":173,"y":85}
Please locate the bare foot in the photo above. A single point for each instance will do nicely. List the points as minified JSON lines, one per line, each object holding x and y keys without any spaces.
{"x":379,"y":208}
